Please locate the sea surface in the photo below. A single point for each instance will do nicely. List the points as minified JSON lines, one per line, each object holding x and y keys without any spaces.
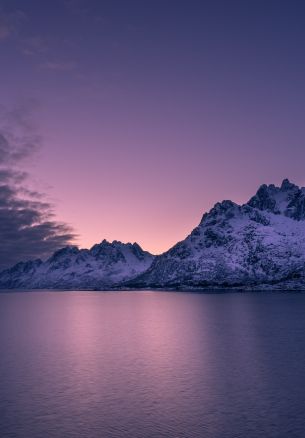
{"x":152,"y":364}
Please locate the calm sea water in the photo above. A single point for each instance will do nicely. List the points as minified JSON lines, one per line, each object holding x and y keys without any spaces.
{"x":152,"y":364}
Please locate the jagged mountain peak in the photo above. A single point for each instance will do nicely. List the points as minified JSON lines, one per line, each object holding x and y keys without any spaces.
{"x":277,"y":200}
{"x":104,"y":265}
{"x":287,"y":185}
{"x":223,"y":207}
{"x":105,"y":244}
{"x":66,"y":251}
{"x":260,"y":242}
{"x":114,"y":243}
{"x":287,"y":200}
{"x":221,"y":211}
{"x":117,"y":247}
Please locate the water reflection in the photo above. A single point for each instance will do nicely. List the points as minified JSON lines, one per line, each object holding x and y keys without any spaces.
{"x":151,"y":364}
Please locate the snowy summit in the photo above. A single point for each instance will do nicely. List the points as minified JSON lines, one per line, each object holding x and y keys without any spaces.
{"x":258,"y":245}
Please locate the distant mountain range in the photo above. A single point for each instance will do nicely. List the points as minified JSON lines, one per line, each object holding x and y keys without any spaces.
{"x":258,"y":245}
{"x":101,"y":267}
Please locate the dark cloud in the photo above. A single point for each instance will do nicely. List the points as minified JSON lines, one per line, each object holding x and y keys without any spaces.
{"x":28,"y":229}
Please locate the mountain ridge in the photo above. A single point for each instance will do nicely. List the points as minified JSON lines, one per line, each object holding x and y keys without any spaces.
{"x":259,"y":244}
{"x":101,"y":266}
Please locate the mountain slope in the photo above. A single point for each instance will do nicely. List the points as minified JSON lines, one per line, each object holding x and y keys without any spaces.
{"x":102,"y":266}
{"x":261,"y":242}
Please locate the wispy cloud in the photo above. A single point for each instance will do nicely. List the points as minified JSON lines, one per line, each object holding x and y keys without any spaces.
{"x":18,"y":135}
{"x":5,"y":31}
{"x":6,"y":28}
{"x":9,"y":23}
{"x":34,"y":45}
{"x":59,"y":65}
{"x":42,"y":49}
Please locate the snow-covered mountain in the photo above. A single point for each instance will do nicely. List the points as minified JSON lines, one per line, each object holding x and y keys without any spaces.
{"x":104,"y":265}
{"x":258,"y":244}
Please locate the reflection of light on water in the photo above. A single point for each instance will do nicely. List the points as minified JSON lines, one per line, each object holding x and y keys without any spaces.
{"x":147,"y":332}
{"x":162,"y":341}
{"x":141,"y":346}
{"x":152,"y":364}
{"x":89,"y":347}
{"x":80,"y":327}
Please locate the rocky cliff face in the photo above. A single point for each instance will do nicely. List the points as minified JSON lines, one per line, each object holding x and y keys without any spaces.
{"x":287,"y":200}
{"x":259,"y":243}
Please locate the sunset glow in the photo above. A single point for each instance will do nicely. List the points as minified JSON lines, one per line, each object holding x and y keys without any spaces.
{"x":150,"y":113}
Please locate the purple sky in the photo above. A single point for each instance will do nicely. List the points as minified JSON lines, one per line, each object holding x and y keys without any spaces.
{"x":151,"y":111}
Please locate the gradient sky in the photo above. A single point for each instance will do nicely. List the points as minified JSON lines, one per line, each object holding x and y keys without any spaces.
{"x":150,"y":111}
